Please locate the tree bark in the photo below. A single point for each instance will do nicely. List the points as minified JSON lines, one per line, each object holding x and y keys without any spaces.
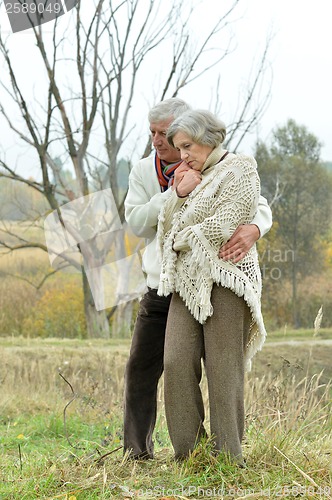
{"x":96,"y":321}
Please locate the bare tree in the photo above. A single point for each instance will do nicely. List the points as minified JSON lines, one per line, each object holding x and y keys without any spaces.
{"x":83,"y":117}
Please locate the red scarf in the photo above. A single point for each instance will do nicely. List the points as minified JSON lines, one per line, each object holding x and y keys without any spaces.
{"x":165,"y":174}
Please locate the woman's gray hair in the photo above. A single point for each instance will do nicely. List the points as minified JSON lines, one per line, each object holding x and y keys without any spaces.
{"x":168,"y":109}
{"x":202,"y":126}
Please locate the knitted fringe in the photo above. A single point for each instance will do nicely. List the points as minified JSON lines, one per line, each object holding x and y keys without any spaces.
{"x":160,"y":234}
{"x":165,"y":246}
{"x":200,"y":312}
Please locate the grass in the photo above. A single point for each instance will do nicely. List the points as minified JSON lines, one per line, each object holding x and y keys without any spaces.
{"x":289,"y":334}
{"x":59,"y":445}
{"x":63,"y":443}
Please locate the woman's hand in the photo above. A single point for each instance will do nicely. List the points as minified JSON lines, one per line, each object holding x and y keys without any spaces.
{"x":179,"y":173}
{"x":190,"y":179}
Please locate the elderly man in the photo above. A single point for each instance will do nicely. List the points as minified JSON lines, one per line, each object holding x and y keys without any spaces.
{"x":149,"y":187}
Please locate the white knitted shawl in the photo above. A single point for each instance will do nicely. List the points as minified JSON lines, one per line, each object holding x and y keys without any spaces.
{"x":198,"y":226}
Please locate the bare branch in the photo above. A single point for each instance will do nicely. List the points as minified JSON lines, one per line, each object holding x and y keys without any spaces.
{"x":16,"y":177}
{"x":40,"y":284}
{"x":242,"y":123}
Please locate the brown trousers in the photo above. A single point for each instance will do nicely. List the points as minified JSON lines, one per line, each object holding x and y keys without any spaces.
{"x":220,"y":341}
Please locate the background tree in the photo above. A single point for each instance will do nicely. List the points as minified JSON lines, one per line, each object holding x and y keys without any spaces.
{"x":299,"y":189}
{"x":91,"y":74}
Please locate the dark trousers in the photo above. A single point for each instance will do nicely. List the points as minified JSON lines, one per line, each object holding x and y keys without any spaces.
{"x":143,"y":371}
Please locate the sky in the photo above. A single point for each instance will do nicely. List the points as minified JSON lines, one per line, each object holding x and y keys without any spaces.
{"x":299,"y":63}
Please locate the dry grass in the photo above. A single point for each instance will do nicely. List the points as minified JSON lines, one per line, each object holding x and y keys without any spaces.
{"x":288,"y":436}
{"x":94,"y":370}
{"x":24,"y":262}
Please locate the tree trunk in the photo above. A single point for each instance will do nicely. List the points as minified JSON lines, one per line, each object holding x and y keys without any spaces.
{"x":96,"y":321}
{"x":294,"y":297}
{"x":121,"y":325}
{"x":126,"y":292}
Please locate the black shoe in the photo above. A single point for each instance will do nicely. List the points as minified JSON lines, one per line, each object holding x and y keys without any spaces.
{"x":144,"y":455}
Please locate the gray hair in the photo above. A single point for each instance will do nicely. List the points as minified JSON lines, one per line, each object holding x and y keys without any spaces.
{"x":167,"y":109}
{"x":202,"y":126}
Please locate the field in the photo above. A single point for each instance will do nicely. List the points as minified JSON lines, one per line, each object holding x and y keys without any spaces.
{"x":61,"y":408}
{"x":61,"y":426}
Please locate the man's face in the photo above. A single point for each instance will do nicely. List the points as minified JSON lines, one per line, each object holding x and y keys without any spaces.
{"x":164,"y":150}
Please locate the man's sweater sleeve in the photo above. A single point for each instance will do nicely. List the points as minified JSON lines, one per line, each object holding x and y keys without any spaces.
{"x":142,"y":208}
{"x":263,"y":217}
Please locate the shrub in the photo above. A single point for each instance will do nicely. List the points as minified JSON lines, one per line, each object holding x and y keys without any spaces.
{"x":17,"y":299}
{"x":58,"y":313}
{"x":313,"y":292}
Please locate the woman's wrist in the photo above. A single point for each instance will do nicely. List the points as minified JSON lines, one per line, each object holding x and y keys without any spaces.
{"x":180,"y":195}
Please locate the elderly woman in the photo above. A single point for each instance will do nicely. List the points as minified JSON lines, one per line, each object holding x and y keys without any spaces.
{"x":215,"y":309}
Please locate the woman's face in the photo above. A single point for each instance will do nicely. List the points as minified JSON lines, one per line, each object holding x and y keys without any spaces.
{"x":191,"y":153}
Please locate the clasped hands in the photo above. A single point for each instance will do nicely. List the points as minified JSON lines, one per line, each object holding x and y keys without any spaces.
{"x":186,"y":179}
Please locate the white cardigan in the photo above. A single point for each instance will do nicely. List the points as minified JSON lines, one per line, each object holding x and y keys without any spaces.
{"x":142,"y":207}
{"x":191,"y":231}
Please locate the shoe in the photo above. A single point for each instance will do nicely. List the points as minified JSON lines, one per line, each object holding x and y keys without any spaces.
{"x":144,"y":455}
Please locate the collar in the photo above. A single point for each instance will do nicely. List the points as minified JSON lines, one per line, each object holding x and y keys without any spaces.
{"x":214,"y":157}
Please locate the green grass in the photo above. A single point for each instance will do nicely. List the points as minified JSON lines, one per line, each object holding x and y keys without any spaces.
{"x":56,"y":446}
{"x":42,"y":455}
{"x":286,"y":334}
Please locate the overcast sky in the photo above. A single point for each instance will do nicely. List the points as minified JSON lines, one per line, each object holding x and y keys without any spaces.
{"x":299,"y":61}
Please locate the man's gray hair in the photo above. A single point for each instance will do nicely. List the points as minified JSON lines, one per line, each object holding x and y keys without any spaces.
{"x":168,"y":109}
{"x":202,"y":126}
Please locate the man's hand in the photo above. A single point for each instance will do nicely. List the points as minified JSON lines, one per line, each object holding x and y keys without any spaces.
{"x":240,"y":243}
